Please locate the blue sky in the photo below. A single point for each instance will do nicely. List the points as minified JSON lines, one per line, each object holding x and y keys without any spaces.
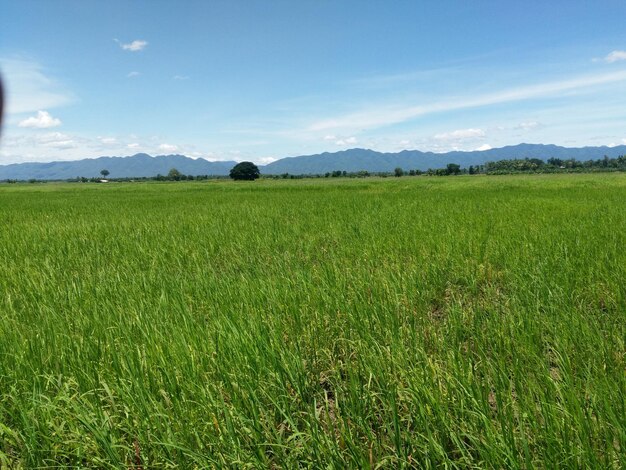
{"x":262,"y":80}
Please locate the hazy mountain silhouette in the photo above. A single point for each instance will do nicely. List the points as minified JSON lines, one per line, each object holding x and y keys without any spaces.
{"x":352,"y":160}
{"x":135,"y":166}
{"x":362,"y":159}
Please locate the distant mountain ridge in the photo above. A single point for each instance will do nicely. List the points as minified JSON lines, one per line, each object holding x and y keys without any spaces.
{"x":135,"y":166}
{"x":362,"y":159}
{"x":352,"y":160}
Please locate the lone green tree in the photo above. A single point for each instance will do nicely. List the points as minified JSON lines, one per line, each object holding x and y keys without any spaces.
{"x":245,"y":171}
{"x":453,"y":169}
{"x":398,"y":172}
{"x":174,"y":174}
{"x":104,"y":173}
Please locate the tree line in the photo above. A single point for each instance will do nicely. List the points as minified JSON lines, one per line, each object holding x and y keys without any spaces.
{"x":552,"y":165}
{"x":506,"y":166}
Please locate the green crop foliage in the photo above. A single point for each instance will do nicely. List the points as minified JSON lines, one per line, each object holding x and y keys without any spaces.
{"x":401,"y":322}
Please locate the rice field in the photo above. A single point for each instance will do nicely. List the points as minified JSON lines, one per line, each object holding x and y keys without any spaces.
{"x":420,"y":322}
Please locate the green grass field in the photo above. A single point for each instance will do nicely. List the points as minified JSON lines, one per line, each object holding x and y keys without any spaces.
{"x":416,"y":322}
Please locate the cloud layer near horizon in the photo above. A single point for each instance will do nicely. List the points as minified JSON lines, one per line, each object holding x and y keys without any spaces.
{"x":385,"y":115}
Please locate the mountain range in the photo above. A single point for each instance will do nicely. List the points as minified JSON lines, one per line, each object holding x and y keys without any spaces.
{"x":352,"y":160}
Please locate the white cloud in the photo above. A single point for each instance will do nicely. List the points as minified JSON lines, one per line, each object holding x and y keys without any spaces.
{"x":330,"y":137}
{"x":108,"y":140}
{"x":136,"y":45}
{"x":133,"y":74}
{"x":43,"y":120}
{"x":181,"y":77}
{"x":56,"y":140}
{"x":133,"y":145}
{"x":265,"y":160}
{"x":461,"y":134}
{"x":529,"y":125}
{"x":29,"y":88}
{"x":346,"y":141}
{"x":168,"y":148}
{"x":380,"y":116}
{"x":484,"y":147}
{"x":615,"y":56}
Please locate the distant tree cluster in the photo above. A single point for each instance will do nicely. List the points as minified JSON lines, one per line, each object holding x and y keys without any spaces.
{"x":552,"y":165}
{"x":517,"y":165}
{"x":175,"y":175}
